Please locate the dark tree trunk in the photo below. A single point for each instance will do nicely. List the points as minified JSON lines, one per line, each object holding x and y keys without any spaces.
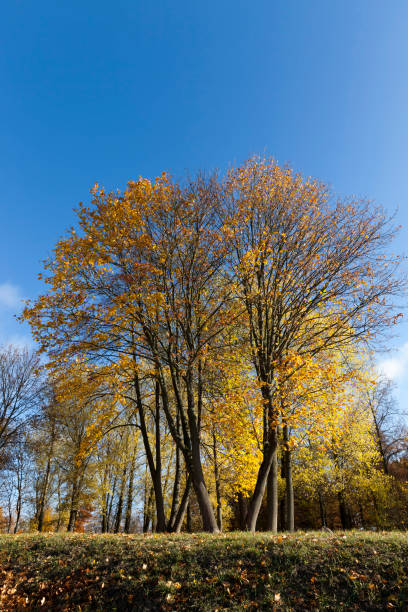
{"x":289,"y":497}
{"x":376,"y":509}
{"x":380,"y":443}
{"x":147,"y":516}
{"x":272,"y":497}
{"x":73,"y":507}
{"x":362,"y":519}
{"x":10,"y":518}
{"x":59,"y":520}
{"x":111,"y":497}
{"x":129,"y":503}
{"x":72,"y":519}
{"x":155,"y":469}
{"x":104,"y":522}
{"x":105,"y":501}
{"x":18,"y":512}
{"x":44,"y":489}
{"x":177,"y":482}
{"x":20,"y":476}
{"x":217,"y":484}
{"x":204,"y":502}
{"x":200,"y":489}
{"x":242,"y":510}
{"x":322,"y":508}
{"x":158,"y":489}
{"x":196,"y":471}
{"x":270,"y":450}
{"x":109,"y":506}
{"x":344,"y":513}
{"x":190,"y":444}
{"x":75,"y":497}
{"x":119,"y":509}
{"x":178,"y":523}
{"x":43,"y":496}
{"x":282,"y":509}
{"x":188,"y":526}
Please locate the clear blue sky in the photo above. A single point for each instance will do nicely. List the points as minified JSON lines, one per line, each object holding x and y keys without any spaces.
{"x":107,"y":91}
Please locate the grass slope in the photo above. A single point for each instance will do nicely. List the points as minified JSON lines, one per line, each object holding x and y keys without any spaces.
{"x":304,"y":571}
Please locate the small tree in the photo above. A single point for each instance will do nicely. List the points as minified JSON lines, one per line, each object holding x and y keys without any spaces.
{"x":19,"y":394}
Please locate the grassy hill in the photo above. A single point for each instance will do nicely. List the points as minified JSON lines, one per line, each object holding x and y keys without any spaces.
{"x":239,"y":571}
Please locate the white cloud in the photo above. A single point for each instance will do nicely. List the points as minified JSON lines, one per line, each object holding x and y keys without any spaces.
{"x":10,"y":296}
{"x":11,"y":304}
{"x":395,"y":367}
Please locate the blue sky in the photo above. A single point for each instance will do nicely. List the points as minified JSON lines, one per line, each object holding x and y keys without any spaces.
{"x":102,"y":91}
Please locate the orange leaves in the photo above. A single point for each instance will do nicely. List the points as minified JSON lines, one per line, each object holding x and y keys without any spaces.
{"x":240,"y":293}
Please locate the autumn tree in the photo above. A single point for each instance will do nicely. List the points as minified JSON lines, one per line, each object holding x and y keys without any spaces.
{"x":310,"y":272}
{"x":20,"y":390}
{"x":343,"y":467}
{"x":389,"y":427}
{"x":43,"y":438}
{"x":136,"y":291}
{"x":163,"y":281}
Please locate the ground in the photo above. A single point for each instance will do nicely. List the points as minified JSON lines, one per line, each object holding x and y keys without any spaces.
{"x":237,"y":571}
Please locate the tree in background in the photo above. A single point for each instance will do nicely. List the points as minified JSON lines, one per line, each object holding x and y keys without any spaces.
{"x":20,"y":391}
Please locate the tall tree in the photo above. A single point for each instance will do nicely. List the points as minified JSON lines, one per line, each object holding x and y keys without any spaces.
{"x":145,"y":298}
{"x":310,"y":273}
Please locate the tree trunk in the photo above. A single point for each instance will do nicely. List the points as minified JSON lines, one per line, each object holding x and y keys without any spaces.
{"x":43,"y":496}
{"x":378,"y":520}
{"x":204,"y":502}
{"x":10,"y":518}
{"x":196,"y":471}
{"x":178,"y":522}
{"x":362,"y":519}
{"x":129,"y":503}
{"x":111,"y":497}
{"x":379,"y":439}
{"x":322,"y":507}
{"x":59,"y":520}
{"x":104,"y":501}
{"x":177,"y":482}
{"x":188,"y":526}
{"x":344,"y":513}
{"x":76,"y":490}
{"x":155,"y":469}
{"x":104,"y":522}
{"x":242,"y":510}
{"x":256,"y":500}
{"x":158,"y":489}
{"x":272,"y":496}
{"x":47,"y":477}
{"x":190,"y":447}
{"x":73,"y":509}
{"x":20,"y":476}
{"x":147,"y":515}
{"x":72,"y":519}
{"x":119,"y":509}
{"x":289,"y":497}
{"x":282,"y":509}
{"x":217,"y":484}
{"x":18,"y":512}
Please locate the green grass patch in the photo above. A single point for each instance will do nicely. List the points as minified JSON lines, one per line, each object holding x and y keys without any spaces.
{"x":238,"y":571}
